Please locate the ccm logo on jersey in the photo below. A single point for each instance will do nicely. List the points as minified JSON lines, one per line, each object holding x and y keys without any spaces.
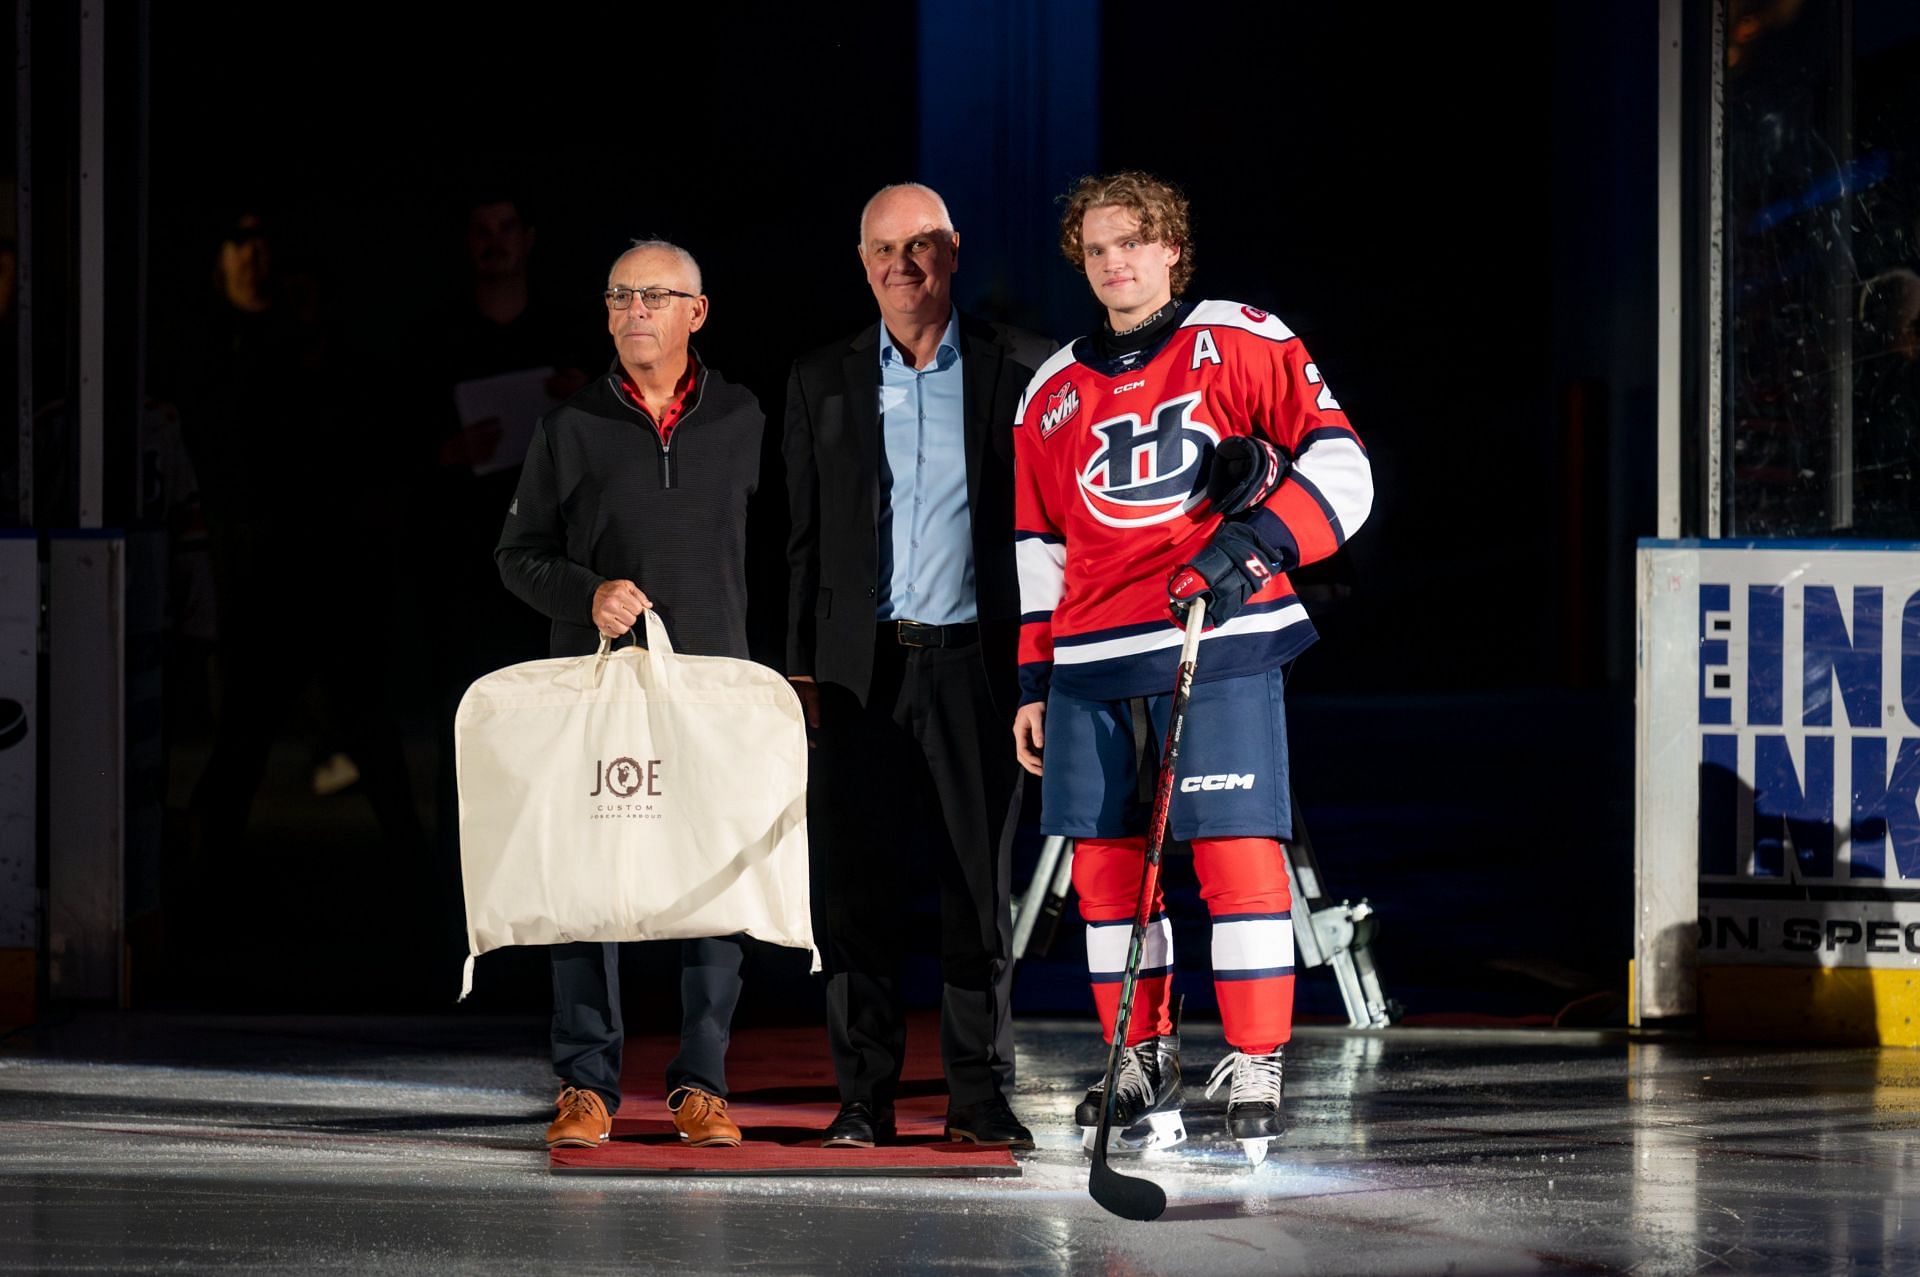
{"x":1148,"y":473}
{"x":1062,"y":404}
{"x":1132,"y":385}
{"x":1228,"y":780}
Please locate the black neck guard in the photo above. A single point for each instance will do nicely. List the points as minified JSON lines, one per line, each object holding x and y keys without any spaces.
{"x":1115,"y":352}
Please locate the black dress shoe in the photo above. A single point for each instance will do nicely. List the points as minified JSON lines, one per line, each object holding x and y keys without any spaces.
{"x":990,"y":1122}
{"x":860,"y":1125}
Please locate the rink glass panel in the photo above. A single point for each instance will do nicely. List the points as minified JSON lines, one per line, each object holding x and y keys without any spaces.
{"x":1822,"y":241}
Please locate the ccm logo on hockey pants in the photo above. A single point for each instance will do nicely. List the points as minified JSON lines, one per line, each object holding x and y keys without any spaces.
{"x":1244,"y":882}
{"x":1197,"y":784}
{"x":1233,"y":763}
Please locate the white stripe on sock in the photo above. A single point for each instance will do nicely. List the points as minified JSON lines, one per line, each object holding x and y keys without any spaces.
{"x":1252,"y":945}
{"x":1107,"y":947}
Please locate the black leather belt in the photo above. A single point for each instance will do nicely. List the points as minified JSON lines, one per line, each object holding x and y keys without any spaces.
{"x":914,"y":634}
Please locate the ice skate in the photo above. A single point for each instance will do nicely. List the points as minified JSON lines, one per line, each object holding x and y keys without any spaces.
{"x":1254,"y":1115}
{"x":1146,"y":1100}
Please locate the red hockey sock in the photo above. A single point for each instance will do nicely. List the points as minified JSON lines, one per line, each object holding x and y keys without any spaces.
{"x":1244,"y":882}
{"x":1106,"y":875}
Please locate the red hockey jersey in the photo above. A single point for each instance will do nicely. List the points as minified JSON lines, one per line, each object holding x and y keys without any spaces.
{"x":1110,"y":498}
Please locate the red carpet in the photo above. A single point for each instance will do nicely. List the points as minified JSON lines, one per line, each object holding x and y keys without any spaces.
{"x":782,"y":1097}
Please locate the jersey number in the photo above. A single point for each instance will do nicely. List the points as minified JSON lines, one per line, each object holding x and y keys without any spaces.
{"x":1326,"y":402}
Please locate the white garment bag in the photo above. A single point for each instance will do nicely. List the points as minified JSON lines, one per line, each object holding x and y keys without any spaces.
{"x":632,"y":795}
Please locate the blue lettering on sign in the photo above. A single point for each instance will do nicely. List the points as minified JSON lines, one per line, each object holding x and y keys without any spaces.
{"x":1714,"y":599}
{"x":1885,"y":807}
{"x":1783,"y":807}
{"x":1910,"y":658}
{"x":1796,"y":804}
{"x":1831,"y":655}
{"x":1766,"y":653}
{"x":1719,"y":792}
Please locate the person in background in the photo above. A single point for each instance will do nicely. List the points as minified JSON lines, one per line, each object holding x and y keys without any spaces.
{"x":506,"y":353}
{"x":293,"y":506}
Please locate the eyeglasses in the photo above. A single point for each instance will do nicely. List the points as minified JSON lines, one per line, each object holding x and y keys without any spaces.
{"x":620,"y":297}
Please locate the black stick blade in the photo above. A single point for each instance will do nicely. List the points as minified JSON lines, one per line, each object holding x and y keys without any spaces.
{"x":1127,"y":1196}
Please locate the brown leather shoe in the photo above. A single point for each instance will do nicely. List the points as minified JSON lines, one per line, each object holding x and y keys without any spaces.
{"x":701,"y":1118}
{"x":583,"y":1122}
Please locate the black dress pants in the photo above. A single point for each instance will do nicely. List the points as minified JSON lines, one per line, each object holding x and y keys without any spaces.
{"x":588,"y":1032}
{"x":924,"y":770}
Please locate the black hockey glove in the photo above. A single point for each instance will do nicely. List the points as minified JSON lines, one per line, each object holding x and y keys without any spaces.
{"x":1231,"y":570}
{"x":1245,"y":471}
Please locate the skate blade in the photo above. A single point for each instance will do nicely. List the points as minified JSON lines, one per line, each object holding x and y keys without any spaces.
{"x":1256,"y":1149}
{"x":1156,"y":1130}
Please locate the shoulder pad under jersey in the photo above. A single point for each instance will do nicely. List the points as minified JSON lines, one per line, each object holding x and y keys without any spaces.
{"x":1224,"y":314}
{"x":1045,"y":373}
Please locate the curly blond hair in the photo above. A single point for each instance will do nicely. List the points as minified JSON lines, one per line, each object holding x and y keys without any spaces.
{"x":1159,"y":205}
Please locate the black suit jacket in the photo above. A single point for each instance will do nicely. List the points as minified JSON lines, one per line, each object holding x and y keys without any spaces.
{"x":833,"y":447}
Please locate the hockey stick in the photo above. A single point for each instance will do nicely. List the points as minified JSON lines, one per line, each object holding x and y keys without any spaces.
{"x":1130,"y":1196}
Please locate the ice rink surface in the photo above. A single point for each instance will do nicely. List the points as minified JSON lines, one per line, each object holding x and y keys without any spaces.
{"x":407,"y":1144}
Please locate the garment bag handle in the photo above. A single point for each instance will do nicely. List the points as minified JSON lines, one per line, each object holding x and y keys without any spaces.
{"x":659,"y":647}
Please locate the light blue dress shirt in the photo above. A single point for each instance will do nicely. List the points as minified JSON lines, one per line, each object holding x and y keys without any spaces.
{"x":926,"y":533}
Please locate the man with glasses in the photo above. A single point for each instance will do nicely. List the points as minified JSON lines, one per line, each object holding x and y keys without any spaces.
{"x":902,"y":620}
{"x":634,"y":496}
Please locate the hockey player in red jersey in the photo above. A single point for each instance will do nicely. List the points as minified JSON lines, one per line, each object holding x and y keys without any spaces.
{"x":1182,"y":451}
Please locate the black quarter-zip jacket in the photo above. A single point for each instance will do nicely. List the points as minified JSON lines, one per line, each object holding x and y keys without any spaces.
{"x":602,"y":497}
